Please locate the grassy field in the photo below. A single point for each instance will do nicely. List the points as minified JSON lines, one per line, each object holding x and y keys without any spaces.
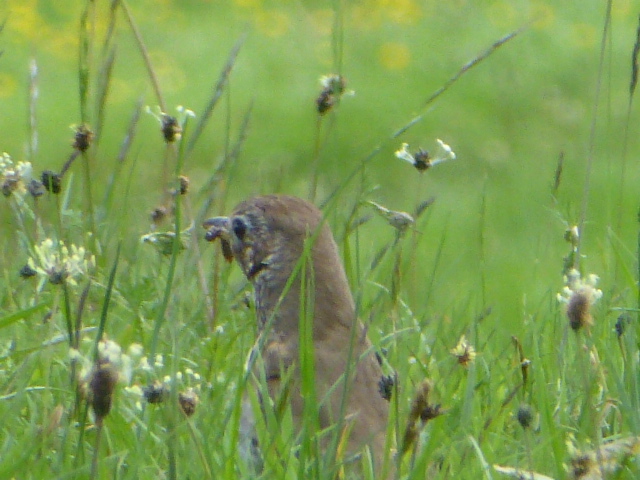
{"x":490,"y":295}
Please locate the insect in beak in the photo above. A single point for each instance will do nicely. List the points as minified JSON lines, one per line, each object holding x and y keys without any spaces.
{"x":218,"y":227}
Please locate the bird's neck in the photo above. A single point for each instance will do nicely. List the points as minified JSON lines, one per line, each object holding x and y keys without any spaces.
{"x":325,"y":296}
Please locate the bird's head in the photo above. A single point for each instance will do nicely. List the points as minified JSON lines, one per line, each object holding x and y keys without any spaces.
{"x":267,"y":236}
{"x":267,"y":233}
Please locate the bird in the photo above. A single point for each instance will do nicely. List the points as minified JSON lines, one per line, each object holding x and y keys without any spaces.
{"x":268,"y":236}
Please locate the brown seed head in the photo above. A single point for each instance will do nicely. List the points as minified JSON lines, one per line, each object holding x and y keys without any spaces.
{"x":171,"y":130}
{"x":579,"y":310}
{"x":155,"y":393}
{"x":188,"y":402}
{"x":83,"y":138}
{"x":52,"y":181}
{"x":102,"y":384}
{"x":184,"y":184}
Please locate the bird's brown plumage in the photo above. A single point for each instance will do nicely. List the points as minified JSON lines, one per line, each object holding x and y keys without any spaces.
{"x":267,"y":237}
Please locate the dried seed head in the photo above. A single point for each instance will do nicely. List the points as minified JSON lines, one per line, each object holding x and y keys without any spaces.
{"x":385,"y":386}
{"x":155,"y":393}
{"x":82,"y":138}
{"x":579,"y":295}
{"x":188,"y":401}
{"x":184,"y":184}
{"x":36,"y":188}
{"x":579,"y":311}
{"x":464,"y":352}
{"x":52,"y":181}
{"x":572,"y":236}
{"x":422,"y":160}
{"x":159,"y":214}
{"x":421,"y":411}
{"x":171,"y":129}
{"x":621,"y":324}
{"x":524,"y":415}
{"x":325,"y":102}
{"x":27,"y":271}
{"x":170,"y":126}
{"x":333,"y":89}
{"x":163,"y":241}
{"x":9,"y":186}
{"x":57,"y":277}
{"x":398,"y":220}
{"x":102,"y":384}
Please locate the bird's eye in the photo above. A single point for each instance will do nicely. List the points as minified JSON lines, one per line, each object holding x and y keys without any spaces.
{"x":239,"y":228}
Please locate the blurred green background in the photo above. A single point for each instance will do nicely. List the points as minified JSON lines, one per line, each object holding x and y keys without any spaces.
{"x":508,"y":119}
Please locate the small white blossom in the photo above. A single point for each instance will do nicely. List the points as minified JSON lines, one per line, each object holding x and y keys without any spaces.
{"x":159,"y":363}
{"x":335,"y":84}
{"x":135,"y":391}
{"x":5,"y":163}
{"x":135,"y":350}
{"x":14,"y":178}
{"x":144,"y":365}
{"x":109,"y":351}
{"x":74,"y":354}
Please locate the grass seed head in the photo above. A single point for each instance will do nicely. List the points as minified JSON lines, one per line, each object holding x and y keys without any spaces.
{"x":621,"y":324}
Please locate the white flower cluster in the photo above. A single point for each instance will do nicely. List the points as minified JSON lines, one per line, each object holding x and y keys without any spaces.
{"x":575,"y":284}
{"x":150,"y":383}
{"x":57,"y":263}
{"x":14,"y":177}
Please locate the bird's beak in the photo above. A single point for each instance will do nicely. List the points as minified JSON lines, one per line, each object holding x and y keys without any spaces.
{"x":218,"y":227}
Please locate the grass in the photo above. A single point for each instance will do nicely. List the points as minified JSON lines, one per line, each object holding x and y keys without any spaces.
{"x":484,"y":260}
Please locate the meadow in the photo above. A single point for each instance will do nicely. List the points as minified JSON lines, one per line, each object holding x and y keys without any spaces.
{"x":510,"y":294}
